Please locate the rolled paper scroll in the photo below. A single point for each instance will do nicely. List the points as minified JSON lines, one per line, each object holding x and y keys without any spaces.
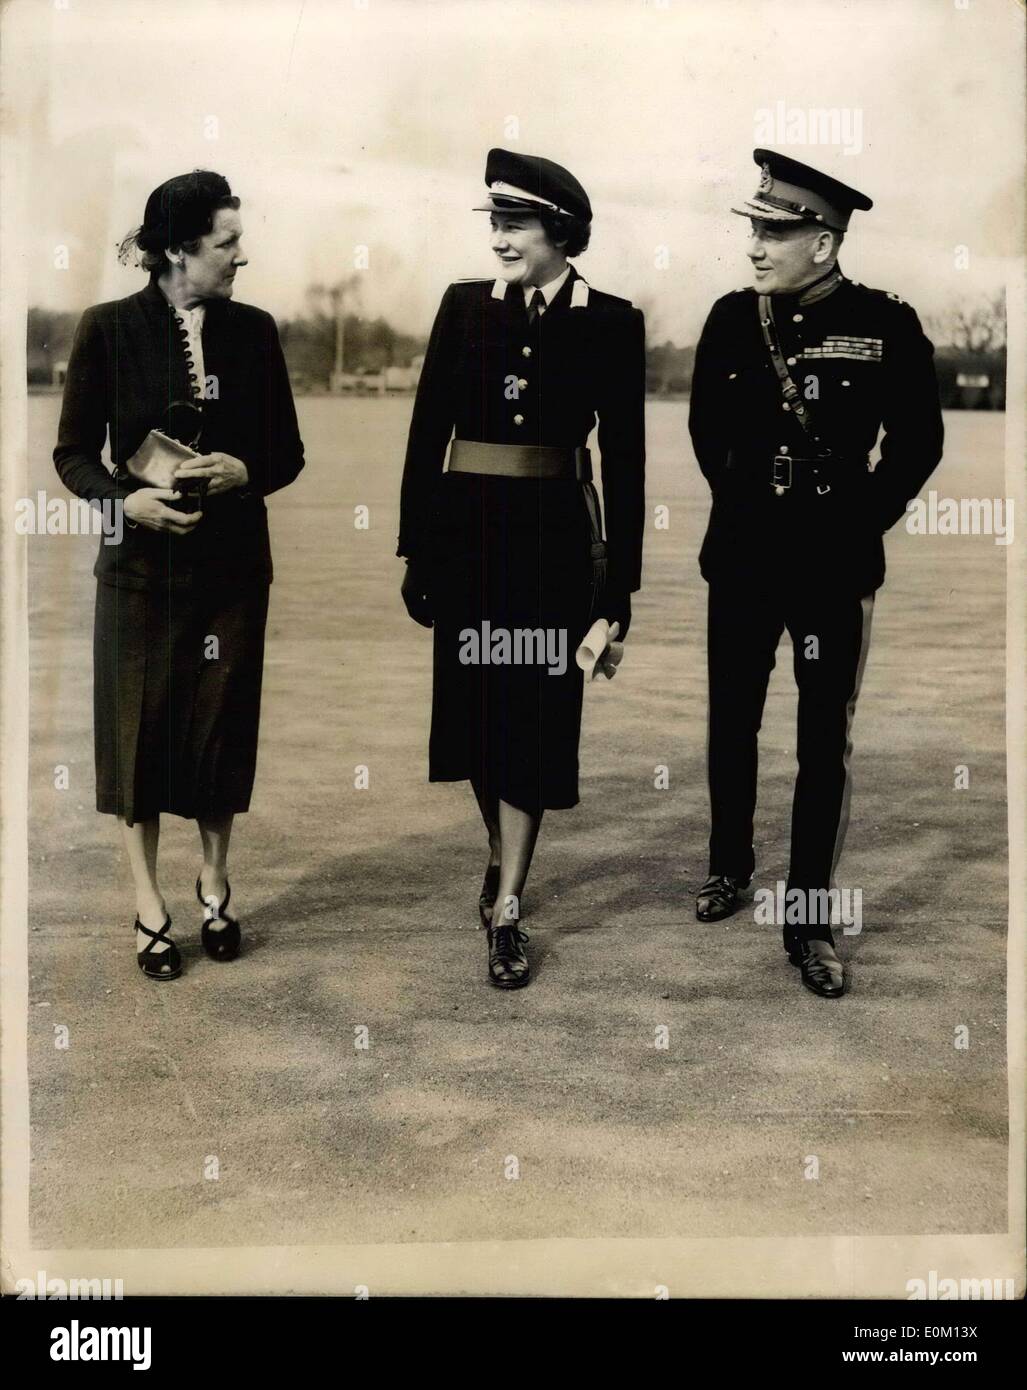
{"x":599,"y":652}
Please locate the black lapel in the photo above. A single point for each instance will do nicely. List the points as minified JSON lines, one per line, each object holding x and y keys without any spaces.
{"x":168,"y":357}
{"x":157,"y":313}
{"x":218,"y":322}
{"x":514,"y":311}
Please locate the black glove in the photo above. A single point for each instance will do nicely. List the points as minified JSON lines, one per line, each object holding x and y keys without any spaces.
{"x":616,"y":608}
{"x":415,"y":593}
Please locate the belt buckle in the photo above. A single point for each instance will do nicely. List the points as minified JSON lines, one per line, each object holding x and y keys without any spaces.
{"x":781,"y":473}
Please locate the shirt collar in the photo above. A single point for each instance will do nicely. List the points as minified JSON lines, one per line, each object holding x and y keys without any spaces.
{"x":193,"y":315}
{"x":550,"y":291}
{"x":820,"y":289}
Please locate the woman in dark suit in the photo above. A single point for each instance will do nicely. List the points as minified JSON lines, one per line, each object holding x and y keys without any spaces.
{"x":508,"y":537}
{"x":181,"y":600}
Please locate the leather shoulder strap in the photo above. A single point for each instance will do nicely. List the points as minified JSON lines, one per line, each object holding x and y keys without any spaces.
{"x":789,"y":391}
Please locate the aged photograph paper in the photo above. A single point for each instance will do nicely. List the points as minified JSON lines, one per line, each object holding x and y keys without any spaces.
{"x":360,"y":361}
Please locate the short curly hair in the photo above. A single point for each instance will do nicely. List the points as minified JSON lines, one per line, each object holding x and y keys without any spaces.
{"x":570,"y":233}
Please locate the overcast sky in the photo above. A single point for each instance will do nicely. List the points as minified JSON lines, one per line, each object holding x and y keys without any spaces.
{"x":366,"y":122}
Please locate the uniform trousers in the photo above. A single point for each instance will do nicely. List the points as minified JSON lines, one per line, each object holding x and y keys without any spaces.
{"x":830,"y":635}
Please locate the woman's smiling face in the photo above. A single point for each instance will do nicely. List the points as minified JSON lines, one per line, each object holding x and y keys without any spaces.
{"x":526,"y":255}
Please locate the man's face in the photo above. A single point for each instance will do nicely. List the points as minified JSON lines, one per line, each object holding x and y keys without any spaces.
{"x":210,"y":272}
{"x":526,"y":255}
{"x":782,"y":256}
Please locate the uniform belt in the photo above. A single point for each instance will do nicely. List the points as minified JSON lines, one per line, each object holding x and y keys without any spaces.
{"x":538,"y":461}
{"x":520,"y":460}
{"x":788,"y":470}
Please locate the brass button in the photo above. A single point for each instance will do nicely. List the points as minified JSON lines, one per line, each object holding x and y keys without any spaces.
{"x":518,"y":419}
{"x":522,"y":383}
{"x":525,"y":351}
{"x":796,"y":318}
{"x":785,"y":405}
{"x":791,"y":361}
{"x":731,"y":376}
{"x":783,"y":449}
{"x":846,"y":383}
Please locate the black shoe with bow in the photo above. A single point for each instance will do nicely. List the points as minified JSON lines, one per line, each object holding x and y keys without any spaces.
{"x":821,"y":969}
{"x":508,"y":961}
{"x":718,"y":897}
{"x":159,"y":965}
{"x":221,"y":942}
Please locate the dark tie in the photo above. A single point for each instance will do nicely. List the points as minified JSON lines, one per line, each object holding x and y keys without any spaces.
{"x":536,"y":305}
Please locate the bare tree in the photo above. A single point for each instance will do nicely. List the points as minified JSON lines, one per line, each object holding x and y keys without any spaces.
{"x":973,"y":325}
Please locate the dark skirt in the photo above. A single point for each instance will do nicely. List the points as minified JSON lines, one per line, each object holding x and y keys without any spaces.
{"x":176,"y":714}
{"x":512,"y":553}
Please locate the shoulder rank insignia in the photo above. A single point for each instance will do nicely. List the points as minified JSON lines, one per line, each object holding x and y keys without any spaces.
{"x":884,"y":294}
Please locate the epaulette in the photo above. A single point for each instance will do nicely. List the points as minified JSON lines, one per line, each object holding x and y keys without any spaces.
{"x":887,"y":294}
{"x":579,"y":294}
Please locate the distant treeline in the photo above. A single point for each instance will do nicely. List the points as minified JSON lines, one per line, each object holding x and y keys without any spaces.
{"x":368,"y":347}
{"x":309,"y":344}
{"x":969,"y":379}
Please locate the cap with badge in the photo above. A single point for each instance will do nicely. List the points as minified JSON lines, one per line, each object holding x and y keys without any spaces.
{"x":527,"y":182}
{"x":790,"y":192}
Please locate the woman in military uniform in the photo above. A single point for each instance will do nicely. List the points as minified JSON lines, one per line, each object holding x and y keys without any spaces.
{"x":506,"y":536}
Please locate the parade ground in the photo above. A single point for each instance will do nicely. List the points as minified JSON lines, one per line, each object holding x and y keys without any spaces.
{"x":352,"y":1078}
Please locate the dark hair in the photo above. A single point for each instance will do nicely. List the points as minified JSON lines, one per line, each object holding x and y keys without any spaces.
{"x":178,"y":212}
{"x":562,"y":227}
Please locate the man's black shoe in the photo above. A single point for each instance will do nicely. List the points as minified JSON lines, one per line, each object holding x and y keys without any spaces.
{"x":821,"y":969}
{"x":718,"y":897}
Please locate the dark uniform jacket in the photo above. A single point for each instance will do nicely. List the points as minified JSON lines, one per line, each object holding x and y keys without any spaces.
{"x":483,"y":380}
{"x":127,"y":366}
{"x":861,"y":361}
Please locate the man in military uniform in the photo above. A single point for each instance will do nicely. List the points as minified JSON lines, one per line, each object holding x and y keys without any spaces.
{"x":793,"y":380}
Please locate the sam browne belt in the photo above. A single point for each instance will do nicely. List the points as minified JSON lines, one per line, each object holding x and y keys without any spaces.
{"x":783,"y":468}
